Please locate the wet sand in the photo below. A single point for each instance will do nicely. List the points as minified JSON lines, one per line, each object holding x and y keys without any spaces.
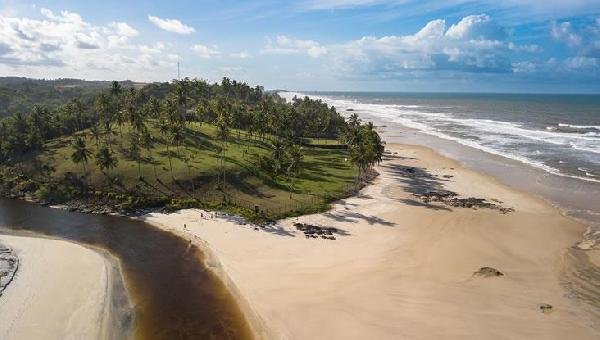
{"x":403,"y":267}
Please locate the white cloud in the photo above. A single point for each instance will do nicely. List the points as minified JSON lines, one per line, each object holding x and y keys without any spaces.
{"x":123,"y":29}
{"x":476,"y":27}
{"x":205,"y":52}
{"x":565,"y":32}
{"x":524,"y":67}
{"x":474,"y":44}
{"x":583,"y":38}
{"x":152,"y":49}
{"x":171,"y":25}
{"x":582,"y":63}
{"x":533,"y":48}
{"x":580,"y":68}
{"x":285,"y":45}
{"x":241,"y":55}
{"x":64,"y":44}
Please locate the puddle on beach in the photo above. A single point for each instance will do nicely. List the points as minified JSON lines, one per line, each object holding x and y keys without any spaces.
{"x":174,"y":295}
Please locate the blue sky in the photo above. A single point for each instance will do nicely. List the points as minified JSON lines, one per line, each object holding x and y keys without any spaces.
{"x":357,"y":45}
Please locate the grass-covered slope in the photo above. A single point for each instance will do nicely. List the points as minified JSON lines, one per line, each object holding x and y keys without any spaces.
{"x":326,"y":173}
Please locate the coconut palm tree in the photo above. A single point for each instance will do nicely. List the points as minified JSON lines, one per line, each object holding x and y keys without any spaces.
{"x":135,"y":151}
{"x":81,"y":153}
{"x":223,"y":122}
{"x":147,"y":143}
{"x":295,"y":158}
{"x":106,"y":160}
{"x":96,"y":133}
{"x":102,"y":106}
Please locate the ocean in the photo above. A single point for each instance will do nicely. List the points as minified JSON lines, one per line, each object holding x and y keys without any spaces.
{"x":542,"y":143}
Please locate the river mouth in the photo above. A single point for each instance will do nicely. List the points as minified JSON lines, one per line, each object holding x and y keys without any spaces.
{"x":173,"y":294}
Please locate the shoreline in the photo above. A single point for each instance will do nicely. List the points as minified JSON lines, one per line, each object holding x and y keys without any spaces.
{"x":230,"y":244}
{"x":508,"y":170}
{"x":240,"y":255}
{"x":34,"y":304}
{"x":475,"y":161}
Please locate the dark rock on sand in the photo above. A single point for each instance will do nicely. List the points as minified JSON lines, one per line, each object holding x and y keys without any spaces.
{"x":488,"y":272}
{"x":313,"y":231}
{"x":451,"y":199}
{"x":546,"y":308}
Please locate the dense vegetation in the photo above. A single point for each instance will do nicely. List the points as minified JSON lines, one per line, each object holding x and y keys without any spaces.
{"x":20,"y":95}
{"x":187,"y":143}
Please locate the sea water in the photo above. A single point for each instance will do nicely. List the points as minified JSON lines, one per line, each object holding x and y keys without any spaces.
{"x":543,"y":143}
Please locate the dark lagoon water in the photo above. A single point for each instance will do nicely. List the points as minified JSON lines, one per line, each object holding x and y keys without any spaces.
{"x":174,"y":295}
{"x":545,"y":144}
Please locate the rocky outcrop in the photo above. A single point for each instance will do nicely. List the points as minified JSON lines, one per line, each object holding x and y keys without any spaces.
{"x":488,"y":272}
{"x":313,"y":231}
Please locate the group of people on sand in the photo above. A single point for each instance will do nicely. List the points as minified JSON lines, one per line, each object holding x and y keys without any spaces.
{"x":208,"y":216}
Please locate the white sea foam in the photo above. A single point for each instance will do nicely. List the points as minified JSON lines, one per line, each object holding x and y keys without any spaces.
{"x":495,"y":137}
{"x":596,"y":127}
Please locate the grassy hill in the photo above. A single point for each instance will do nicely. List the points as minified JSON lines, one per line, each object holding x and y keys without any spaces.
{"x":189,"y":143}
{"x":193,"y":181}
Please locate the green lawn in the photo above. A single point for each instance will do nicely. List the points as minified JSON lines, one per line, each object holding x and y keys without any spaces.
{"x":326,"y":174}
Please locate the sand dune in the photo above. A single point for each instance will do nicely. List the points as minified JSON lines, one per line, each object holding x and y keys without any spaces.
{"x":60,"y":291}
{"x":401,"y":267}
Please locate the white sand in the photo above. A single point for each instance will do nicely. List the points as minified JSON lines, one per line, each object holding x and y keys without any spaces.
{"x":404,"y":271}
{"x":59,"y":292}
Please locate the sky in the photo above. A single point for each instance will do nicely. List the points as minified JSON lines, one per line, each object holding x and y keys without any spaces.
{"x":528,"y":46}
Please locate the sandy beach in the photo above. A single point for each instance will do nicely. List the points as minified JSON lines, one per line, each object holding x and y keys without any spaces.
{"x":402,"y":265}
{"x":60,"y":291}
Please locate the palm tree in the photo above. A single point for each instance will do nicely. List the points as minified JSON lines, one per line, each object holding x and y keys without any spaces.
{"x":95,"y":133}
{"x":277,"y":156}
{"x":108,"y":131}
{"x":295,"y":157}
{"x":102,"y":105}
{"x":106,"y":160}
{"x":366,"y":149}
{"x":223,"y":121}
{"x":167,"y":124}
{"x":81,"y":153}
{"x":135,"y":151}
{"x":177,"y":136}
{"x":115,"y":92}
{"x":147,"y":143}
